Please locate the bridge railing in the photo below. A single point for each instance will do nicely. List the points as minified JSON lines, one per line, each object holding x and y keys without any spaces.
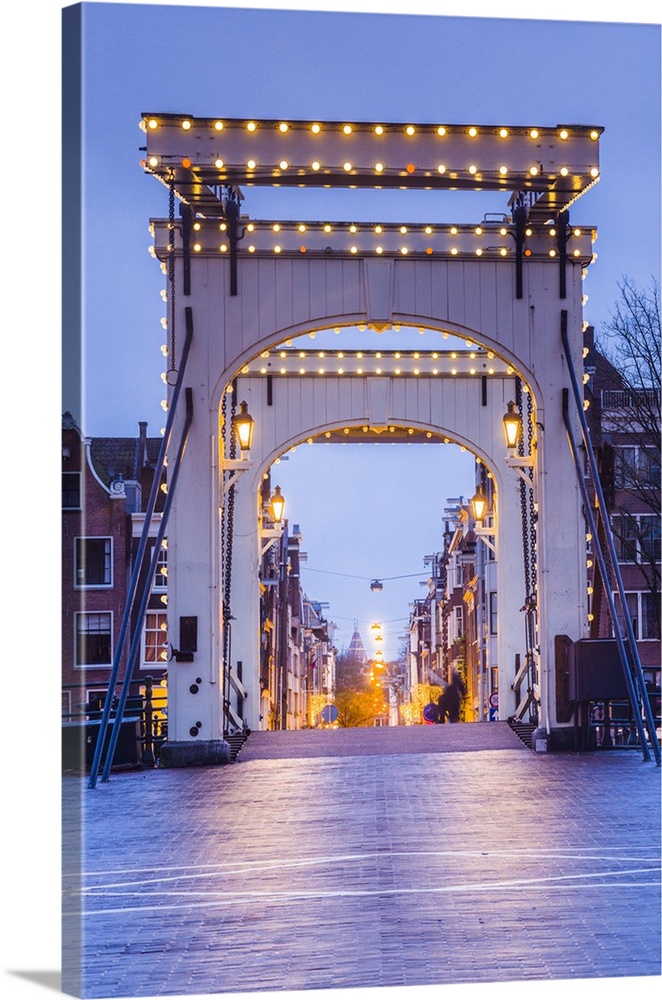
{"x":144,"y":724}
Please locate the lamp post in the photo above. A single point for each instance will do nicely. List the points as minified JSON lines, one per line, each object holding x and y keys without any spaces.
{"x":242,"y":425}
{"x":512,"y":425}
{"x":276,"y":511}
{"x":242,"y":428}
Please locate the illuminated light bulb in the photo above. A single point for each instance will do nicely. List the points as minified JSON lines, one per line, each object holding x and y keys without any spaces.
{"x":410,"y":130}
{"x":441,"y":168}
{"x":316,"y":128}
{"x":534,"y":133}
{"x":283,"y":164}
{"x":251,"y":126}
{"x":379,"y":250}
{"x":320,"y":371}
{"x":352,"y":229}
{"x":594,"y":135}
{"x":410,"y":168}
{"x":283,"y":127}
{"x":552,"y":253}
{"x":282,"y":370}
{"x":315,"y":165}
{"x":454,"y":251}
{"x":219,"y":164}
{"x":473,"y":132}
{"x":378,"y":229}
{"x":277,"y":249}
{"x":359,"y":371}
{"x":197,"y":227}
{"x":186,"y":124}
{"x":347,"y":129}
{"x":164,"y":350}
{"x":197,"y":247}
{"x":590,"y":617}
{"x":186,"y":162}
{"x":575,"y":253}
{"x":429,"y":250}
{"x":251,"y":249}
{"x":453,"y":371}
{"x":218,"y":126}
{"x":427,"y":230}
{"x":353,"y":249}
{"x":341,"y":371}
{"x":473,"y":169}
{"x":379,"y":168}
{"x":397,"y":371}
{"x":441,"y":130}
{"x":347,"y":166}
{"x":403,"y":229}
{"x":587,"y":403}
{"x":503,"y":251}
{"x":223,"y":247}
{"x":276,"y":227}
{"x":528,"y":232}
{"x":312,"y":335}
{"x":164,"y":404}
{"x":152,"y":123}
{"x":479,"y":252}
{"x":251,"y":164}
{"x":564,"y":171}
{"x":533,"y":171}
{"x":153,"y":161}
{"x":564,"y":134}
{"x":503,"y":132}
{"x":594,"y":172}
{"x":589,"y":590}
{"x":503,"y":171}
{"x":250,"y":227}
{"x":503,"y":231}
{"x":302,"y":371}
{"x":404,"y":251}
{"x":453,"y":230}
{"x":478,"y":230}
{"x":453,"y":354}
{"x":327,"y":228}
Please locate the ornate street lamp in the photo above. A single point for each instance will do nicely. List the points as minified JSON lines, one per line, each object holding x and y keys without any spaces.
{"x":512,"y":425}
{"x":242,"y":425}
{"x":479,"y":504}
{"x":277,"y":505}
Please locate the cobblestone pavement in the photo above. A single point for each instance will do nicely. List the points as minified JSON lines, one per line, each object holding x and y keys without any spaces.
{"x":364,"y":858}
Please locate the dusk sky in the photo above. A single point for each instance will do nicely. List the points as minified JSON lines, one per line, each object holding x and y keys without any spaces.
{"x":393,"y":62}
{"x":363,"y":66}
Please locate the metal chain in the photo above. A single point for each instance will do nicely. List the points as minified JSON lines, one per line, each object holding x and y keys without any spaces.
{"x":227,"y":529}
{"x":523,"y":503}
{"x":171,"y":269}
{"x":532,"y":507}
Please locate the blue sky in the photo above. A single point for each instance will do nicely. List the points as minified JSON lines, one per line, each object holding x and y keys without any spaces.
{"x":364,"y":66}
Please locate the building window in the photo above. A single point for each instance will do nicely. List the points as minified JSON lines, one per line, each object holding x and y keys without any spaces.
{"x":636,"y":466}
{"x":93,"y":564}
{"x":155,"y":639}
{"x":494,"y":620}
{"x":161,"y":572}
{"x":71,"y":490}
{"x":644,"y":613}
{"x":93,"y":638}
{"x":637,"y":537}
{"x":458,"y":623}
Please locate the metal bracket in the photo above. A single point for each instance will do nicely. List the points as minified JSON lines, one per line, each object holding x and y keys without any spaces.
{"x":235,"y":466}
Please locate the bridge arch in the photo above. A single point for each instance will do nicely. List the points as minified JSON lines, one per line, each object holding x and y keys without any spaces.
{"x":511,"y":286}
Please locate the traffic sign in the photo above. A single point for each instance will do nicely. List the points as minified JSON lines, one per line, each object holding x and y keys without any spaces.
{"x":329,"y":713}
{"x":494,"y":699}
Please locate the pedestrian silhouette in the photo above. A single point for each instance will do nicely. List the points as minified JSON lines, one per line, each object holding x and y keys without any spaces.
{"x":449,"y":701}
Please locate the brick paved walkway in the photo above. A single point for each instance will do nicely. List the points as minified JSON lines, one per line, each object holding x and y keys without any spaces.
{"x":393,"y":858}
